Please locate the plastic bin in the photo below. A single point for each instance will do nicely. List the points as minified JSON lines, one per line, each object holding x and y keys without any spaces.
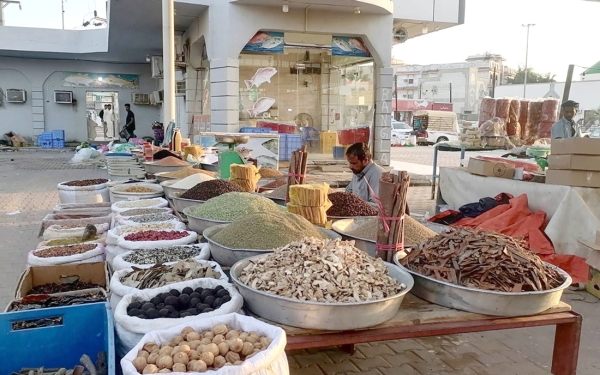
{"x":58,"y":144}
{"x":255,"y":130}
{"x":339,"y":152}
{"x":288,"y":143}
{"x":43,"y":143}
{"x":85,"y":329}
{"x":354,"y":135}
{"x":58,"y":135}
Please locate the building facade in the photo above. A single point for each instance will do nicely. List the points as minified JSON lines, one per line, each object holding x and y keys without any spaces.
{"x":463,"y":84}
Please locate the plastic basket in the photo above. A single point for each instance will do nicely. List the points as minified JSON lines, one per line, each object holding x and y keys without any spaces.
{"x":58,"y":144}
{"x":255,"y":130}
{"x":83,"y":329}
{"x":43,"y":143}
{"x":58,"y":135}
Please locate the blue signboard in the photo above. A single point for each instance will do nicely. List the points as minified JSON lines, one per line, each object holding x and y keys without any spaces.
{"x":265,"y":42}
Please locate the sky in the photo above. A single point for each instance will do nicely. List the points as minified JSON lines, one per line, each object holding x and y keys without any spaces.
{"x":47,"y":13}
{"x":566,"y":32}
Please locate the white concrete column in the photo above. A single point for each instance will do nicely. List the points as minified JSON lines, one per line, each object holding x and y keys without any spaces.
{"x":168,"y":24}
{"x":224,"y":94}
{"x":383,"y":118}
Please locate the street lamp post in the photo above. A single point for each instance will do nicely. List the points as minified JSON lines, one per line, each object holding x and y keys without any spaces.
{"x":528,"y":26}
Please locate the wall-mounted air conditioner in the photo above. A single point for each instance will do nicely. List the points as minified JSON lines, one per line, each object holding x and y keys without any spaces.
{"x":157,"y":66}
{"x":140,"y":99}
{"x":158,"y":96}
{"x":16,"y":96}
{"x":63,"y":97}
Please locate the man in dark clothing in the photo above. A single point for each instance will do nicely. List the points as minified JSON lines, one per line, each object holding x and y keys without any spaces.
{"x":101,"y":115}
{"x":130,"y":122}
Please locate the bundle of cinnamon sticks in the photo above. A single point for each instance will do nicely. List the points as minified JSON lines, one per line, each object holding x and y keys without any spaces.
{"x":393,"y":193}
{"x":297,"y":169}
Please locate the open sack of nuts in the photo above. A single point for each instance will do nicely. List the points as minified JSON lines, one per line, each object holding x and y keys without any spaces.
{"x":54,"y":232}
{"x":131,"y":328}
{"x":112,"y":236}
{"x":151,"y":239}
{"x":71,"y":254}
{"x":229,"y":344}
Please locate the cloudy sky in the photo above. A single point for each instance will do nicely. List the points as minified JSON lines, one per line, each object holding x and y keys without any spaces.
{"x":566,"y":32}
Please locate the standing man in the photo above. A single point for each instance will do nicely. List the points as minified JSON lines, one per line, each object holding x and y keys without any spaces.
{"x":365,"y":171}
{"x":109,"y":119}
{"x":566,"y":127}
{"x":101,"y":115}
{"x":129,"y":122}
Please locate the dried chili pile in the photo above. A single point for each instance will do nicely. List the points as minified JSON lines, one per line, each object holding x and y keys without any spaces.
{"x":482,"y":260}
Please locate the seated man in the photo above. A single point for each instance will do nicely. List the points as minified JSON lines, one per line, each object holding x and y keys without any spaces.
{"x":566,"y":127}
{"x":365,"y":170}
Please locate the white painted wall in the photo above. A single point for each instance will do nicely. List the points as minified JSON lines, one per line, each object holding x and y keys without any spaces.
{"x":41,"y":77}
{"x":14,"y":38}
{"x":429,"y":10}
{"x":591,"y":77}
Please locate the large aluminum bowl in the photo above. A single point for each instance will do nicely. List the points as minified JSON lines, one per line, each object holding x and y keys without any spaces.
{"x":180,"y":204}
{"x":198,"y":224}
{"x":170,"y":191}
{"x":319,"y":315}
{"x":152,"y":168}
{"x":162,"y":178}
{"x":485,"y":301}
{"x":227,"y":257}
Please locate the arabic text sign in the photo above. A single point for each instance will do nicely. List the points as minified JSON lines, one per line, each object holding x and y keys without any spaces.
{"x":102,"y":80}
{"x":265,"y":42}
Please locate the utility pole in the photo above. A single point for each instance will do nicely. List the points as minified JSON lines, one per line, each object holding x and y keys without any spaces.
{"x":420,"y":90}
{"x":494,"y":83}
{"x":451,"y":92}
{"x":528,"y":26}
{"x":396,"y":93}
{"x":62,"y":5}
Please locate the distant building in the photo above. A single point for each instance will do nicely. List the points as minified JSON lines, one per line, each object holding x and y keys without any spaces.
{"x":592,"y":74}
{"x":463,"y":84}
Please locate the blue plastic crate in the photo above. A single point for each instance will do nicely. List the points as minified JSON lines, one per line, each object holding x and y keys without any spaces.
{"x":43,"y":143}
{"x":293,"y":142}
{"x":46,"y":136}
{"x":58,"y":144}
{"x":283,"y":155}
{"x":85,"y":329}
{"x":255,"y":130}
{"x":58,"y":135}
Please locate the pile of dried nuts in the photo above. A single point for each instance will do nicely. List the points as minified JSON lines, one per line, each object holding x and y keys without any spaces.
{"x":349,"y":205}
{"x":162,"y":255}
{"x":144,"y":211}
{"x":331,"y":271}
{"x":161,"y":275}
{"x":270,"y":173}
{"x":139,"y":189}
{"x":195,"y":351}
{"x":156,"y":235}
{"x":121,"y":230}
{"x":63,"y":251}
{"x":210,"y":189}
{"x":96,"y":181}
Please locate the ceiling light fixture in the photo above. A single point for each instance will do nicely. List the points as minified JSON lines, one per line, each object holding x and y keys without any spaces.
{"x":424,"y":29}
{"x":286,"y":7}
{"x":357,"y":10}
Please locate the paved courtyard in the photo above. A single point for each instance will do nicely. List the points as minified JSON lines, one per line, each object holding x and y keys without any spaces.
{"x":28,"y":192}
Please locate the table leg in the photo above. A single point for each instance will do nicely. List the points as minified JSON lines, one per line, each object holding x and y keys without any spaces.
{"x":349,"y":348}
{"x":566,"y":347}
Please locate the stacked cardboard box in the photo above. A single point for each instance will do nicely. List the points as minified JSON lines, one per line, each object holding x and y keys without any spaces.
{"x":574,"y":162}
{"x":593,"y":260}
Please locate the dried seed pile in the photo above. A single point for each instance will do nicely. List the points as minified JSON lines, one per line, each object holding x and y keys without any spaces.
{"x":270,"y":173}
{"x":231,"y":206}
{"x":265,"y":230}
{"x":183,"y":173}
{"x":210,"y":189}
{"x":161,"y":275}
{"x":140,"y":189}
{"x":162,"y":255}
{"x":195,"y":351}
{"x":63,"y":251}
{"x":322,"y":271}
{"x":152,"y":218}
{"x":279,"y":193}
{"x":482,"y":260}
{"x":414,"y":232}
{"x":138,"y":204}
{"x":348,"y":205}
{"x":69,"y":241}
{"x":191,"y":181}
{"x":52,"y":288}
{"x":274,"y":184}
{"x":144,"y":211}
{"x":171,"y":161}
{"x":96,"y":181}
{"x":119,"y":231}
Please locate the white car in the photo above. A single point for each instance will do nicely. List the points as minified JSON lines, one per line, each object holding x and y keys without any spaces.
{"x":400,"y":131}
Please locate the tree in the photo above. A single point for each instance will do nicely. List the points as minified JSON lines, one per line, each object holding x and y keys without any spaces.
{"x":532,"y":77}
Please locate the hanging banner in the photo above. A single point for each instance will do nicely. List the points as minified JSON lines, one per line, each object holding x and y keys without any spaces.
{"x":102,"y":80}
{"x":349,"y":46}
{"x":265,"y":42}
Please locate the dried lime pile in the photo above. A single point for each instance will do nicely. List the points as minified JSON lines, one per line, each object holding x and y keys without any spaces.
{"x":266,"y":230}
{"x":231,"y":206}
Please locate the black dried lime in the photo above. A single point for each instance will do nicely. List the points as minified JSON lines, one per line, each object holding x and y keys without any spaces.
{"x":172,"y":301}
{"x":205,"y":294}
{"x":134,"y":305}
{"x":195,"y":295}
{"x":226,"y":299}
{"x":155,"y":301}
{"x":207,"y":310}
{"x":222,"y":293}
{"x":174,"y":292}
{"x":202,"y":306}
{"x":209,"y":300}
{"x":152,"y":314}
{"x":163,"y":312}
{"x":134,"y":312}
{"x":194,"y":301}
{"x":184,"y":300}
{"x":147,"y":306}
{"x":187,"y":290}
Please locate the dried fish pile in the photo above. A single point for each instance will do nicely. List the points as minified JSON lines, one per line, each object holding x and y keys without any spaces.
{"x":52,"y":288}
{"x":331,"y":271}
{"x":160,"y":275}
{"x":482,"y":260}
{"x":41,"y":301}
{"x":162,"y":255}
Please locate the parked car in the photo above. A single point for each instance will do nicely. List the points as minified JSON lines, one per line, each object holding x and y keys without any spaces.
{"x":595,"y":133}
{"x":435,"y":126}
{"x":400,"y":131}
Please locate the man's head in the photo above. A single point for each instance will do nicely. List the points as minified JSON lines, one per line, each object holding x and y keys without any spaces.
{"x":358,"y":156}
{"x":569,"y":109}
{"x":108,"y":106}
{"x":127,"y":107}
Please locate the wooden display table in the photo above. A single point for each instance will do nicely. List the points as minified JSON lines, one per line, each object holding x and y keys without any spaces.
{"x":417,"y":318}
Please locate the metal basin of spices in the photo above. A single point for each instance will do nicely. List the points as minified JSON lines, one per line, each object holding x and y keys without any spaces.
{"x":153,"y":168}
{"x":320,"y":315}
{"x":180,"y":204}
{"x":170,"y":191}
{"x":344,"y":226}
{"x":227,"y":257}
{"x":198,"y":224}
{"x":162,"y":178}
{"x":486,"y":302}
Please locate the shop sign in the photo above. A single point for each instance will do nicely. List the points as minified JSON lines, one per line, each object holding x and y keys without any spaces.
{"x":265,"y":42}
{"x":449,"y":107}
{"x":102,"y":80}
{"x":409,"y":105}
{"x":349,"y":46}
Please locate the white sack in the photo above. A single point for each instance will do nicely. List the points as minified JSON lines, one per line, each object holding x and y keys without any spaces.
{"x":121,"y":206}
{"x":130,"y":330}
{"x":91,"y":256}
{"x":112,"y":251}
{"x":119,"y":262}
{"x":45,"y":244}
{"x":123,"y":221}
{"x":54,"y":232}
{"x":141,"y":245}
{"x":118,"y":290}
{"x":112,"y":236}
{"x":271,"y":361}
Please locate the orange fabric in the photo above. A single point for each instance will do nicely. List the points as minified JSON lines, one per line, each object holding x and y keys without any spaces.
{"x":517,"y":220}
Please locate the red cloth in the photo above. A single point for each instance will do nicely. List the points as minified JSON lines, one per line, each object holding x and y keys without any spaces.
{"x":517,"y":220}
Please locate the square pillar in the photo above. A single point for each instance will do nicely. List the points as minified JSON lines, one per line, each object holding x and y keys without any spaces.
{"x":224,"y":94}
{"x":383,"y":118}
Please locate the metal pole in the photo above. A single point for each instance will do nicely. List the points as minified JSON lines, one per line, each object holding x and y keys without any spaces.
{"x":168,"y":24}
{"x":450,"y":92}
{"x":568,"y":83}
{"x":62,"y":6}
{"x":494,"y":83}
{"x":396,"y":92}
{"x":528,"y":26}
